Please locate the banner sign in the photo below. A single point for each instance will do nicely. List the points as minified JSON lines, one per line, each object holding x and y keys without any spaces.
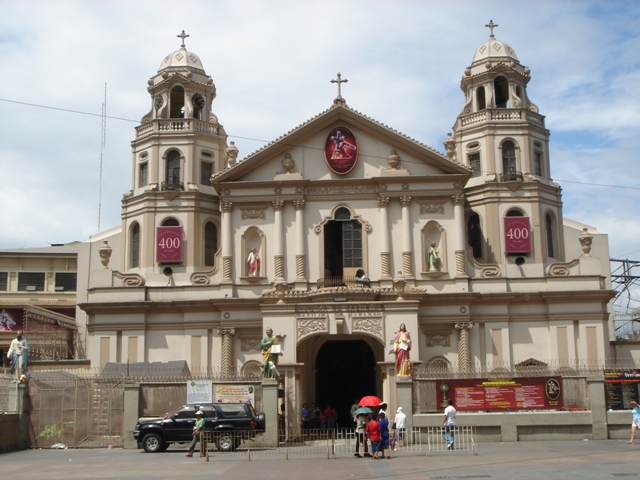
{"x":341,"y":150}
{"x":232,"y":393}
{"x":501,"y":393}
{"x":199,"y":391}
{"x":517,"y":235}
{"x":11,"y":320}
{"x":169,"y":244}
{"x":621,"y":387}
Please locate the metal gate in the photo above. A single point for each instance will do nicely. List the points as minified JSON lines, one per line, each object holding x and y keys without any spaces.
{"x":75,"y":411}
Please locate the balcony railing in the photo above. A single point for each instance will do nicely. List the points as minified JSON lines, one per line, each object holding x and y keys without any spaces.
{"x":171,"y":186}
{"x":506,"y":115}
{"x":177,"y":125}
{"x":511,"y":177}
{"x":342,"y":281}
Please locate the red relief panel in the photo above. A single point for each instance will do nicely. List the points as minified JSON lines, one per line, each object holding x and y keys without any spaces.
{"x":517,"y":235}
{"x":341,"y":150}
{"x":169,"y":244}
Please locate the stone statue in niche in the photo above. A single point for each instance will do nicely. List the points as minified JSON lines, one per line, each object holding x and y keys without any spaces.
{"x":433,"y":258}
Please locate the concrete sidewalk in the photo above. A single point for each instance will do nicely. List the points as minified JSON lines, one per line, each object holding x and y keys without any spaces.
{"x":583,"y":460}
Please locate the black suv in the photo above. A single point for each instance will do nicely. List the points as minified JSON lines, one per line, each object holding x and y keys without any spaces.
{"x":230,"y":423}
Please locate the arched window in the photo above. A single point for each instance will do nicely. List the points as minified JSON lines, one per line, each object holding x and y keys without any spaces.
{"x":509,"y":161}
{"x":176,"y":102}
{"x":170,"y":222}
{"x":514,"y":213}
{"x":480,"y":97}
{"x":474,"y":235}
{"x":134,"y":249}
{"x":342,"y":245}
{"x":501,"y":89}
{"x":550,"y":227}
{"x":210,"y":244}
{"x":173,"y":170}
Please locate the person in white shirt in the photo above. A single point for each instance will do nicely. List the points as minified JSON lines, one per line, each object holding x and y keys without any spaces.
{"x":15,"y":355}
{"x":401,"y":423}
{"x":449,"y":424}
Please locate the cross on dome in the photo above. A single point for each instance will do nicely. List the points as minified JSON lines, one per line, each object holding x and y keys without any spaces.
{"x":182,"y":36}
{"x":339,"y":81}
{"x":489,"y":25}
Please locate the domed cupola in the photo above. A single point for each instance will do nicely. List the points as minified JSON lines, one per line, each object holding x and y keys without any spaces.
{"x":181,"y":60}
{"x":181,"y":88}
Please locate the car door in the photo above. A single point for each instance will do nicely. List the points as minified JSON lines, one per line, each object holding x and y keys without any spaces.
{"x":180,"y":425}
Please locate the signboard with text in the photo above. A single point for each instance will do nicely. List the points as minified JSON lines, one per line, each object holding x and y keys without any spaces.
{"x":199,"y":391}
{"x":621,"y":387}
{"x":517,"y":235}
{"x":233,"y":393}
{"x":169,"y":244}
{"x":502,"y":393}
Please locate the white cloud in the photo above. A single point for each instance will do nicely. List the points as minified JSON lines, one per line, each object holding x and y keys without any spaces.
{"x":272,"y":62}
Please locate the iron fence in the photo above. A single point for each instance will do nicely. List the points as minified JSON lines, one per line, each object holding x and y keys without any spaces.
{"x":323,"y":443}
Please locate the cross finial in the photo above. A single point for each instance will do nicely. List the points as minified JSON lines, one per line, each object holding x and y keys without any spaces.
{"x":339,"y":81}
{"x":489,"y":25}
{"x":182,"y":36}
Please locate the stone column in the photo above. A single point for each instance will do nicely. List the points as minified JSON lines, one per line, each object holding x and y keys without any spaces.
{"x":227,"y":350}
{"x":131,"y":413}
{"x":227,"y":241}
{"x":598,"y":407}
{"x":385,"y":237}
{"x":270,"y":409}
{"x":458,"y":213}
{"x":278,"y":206}
{"x":301,"y":256}
{"x":464,"y":346}
{"x":407,"y":244}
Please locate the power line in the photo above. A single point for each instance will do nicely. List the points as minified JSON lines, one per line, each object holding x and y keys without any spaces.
{"x":270,"y":142}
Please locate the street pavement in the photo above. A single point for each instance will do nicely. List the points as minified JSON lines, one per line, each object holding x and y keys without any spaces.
{"x":584,"y":460}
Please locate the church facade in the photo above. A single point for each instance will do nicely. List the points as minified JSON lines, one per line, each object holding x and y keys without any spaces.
{"x":336,"y":234}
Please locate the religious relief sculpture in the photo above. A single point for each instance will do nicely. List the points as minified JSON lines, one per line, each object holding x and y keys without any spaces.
{"x":433,"y":258}
{"x":270,"y":352}
{"x":253,"y":263}
{"x":401,"y":348}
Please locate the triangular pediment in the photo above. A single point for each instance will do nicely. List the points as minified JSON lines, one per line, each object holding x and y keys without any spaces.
{"x":300,"y":153}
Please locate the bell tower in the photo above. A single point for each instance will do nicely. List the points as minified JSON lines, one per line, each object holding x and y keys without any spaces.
{"x":179,"y":145}
{"x":514,"y":209}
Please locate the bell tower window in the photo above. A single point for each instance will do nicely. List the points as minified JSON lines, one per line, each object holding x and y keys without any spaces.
{"x":176,"y":109}
{"x":537,"y":163}
{"x":509,"y":161}
{"x":144,"y":175}
{"x":134,"y":254}
{"x":501,"y":89}
{"x":474,"y":163}
{"x":481,"y":99}
{"x":550,"y":227}
{"x":474,"y":235}
{"x":172,"y":173}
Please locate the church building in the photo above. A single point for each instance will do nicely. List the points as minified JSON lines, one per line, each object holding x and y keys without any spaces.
{"x":338,"y":233}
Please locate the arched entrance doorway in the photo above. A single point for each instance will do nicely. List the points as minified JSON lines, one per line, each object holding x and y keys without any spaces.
{"x":345,"y":370}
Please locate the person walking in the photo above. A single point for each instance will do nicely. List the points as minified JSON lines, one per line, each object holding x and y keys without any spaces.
{"x":196,"y":432}
{"x":449,"y":424}
{"x":373,"y":432}
{"x":361,"y":435}
{"x":635,"y":422}
{"x":383,"y":425}
{"x":400,"y":423}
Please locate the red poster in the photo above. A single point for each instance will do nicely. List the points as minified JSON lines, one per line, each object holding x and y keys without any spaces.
{"x":169,"y":245}
{"x":11,"y":320}
{"x":517,"y":235}
{"x":502,"y":393}
{"x":341,"y":150}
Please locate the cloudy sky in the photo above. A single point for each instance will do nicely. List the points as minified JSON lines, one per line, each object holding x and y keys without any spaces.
{"x":272,"y":62}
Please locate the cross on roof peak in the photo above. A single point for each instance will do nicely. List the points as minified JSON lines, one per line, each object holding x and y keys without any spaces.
{"x":182,"y":36}
{"x":339,"y":81}
{"x":490,"y":26}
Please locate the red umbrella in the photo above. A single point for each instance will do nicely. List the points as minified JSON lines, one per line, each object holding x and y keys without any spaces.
{"x":369,"y":401}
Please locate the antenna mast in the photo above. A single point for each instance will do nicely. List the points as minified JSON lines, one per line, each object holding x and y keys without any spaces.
{"x":103,"y":141}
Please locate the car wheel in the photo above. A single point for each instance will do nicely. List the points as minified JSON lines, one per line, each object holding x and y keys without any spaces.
{"x":153,"y":442}
{"x":226,"y":442}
